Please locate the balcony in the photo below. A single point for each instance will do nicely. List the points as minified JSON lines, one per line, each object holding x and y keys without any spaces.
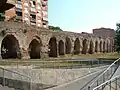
{"x":44,"y":3}
{"x":45,"y":8}
{"x":45,"y":24}
{"x":33,"y":23}
{"x":33,"y":11}
{"x":18,"y":2}
{"x":19,"y":5}
{"x":45,"y":18}
{"x":45,"y":14}
{"x":18,"y":10}
{"x":26,"y":4}
{"x":32,"y":20}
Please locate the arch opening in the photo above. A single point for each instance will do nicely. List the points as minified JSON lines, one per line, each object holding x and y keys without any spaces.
{"x":34,"y":48}
{"x":10,"y":48}
{"x":108,"y":47}
{"x":77,"y":46}
{"x":112,"y":45}
{"x":96,"y":46}
{"x":53,"y":47}
{"x":100,"y":46}
{"x":84,"y":49}
{"x":91,"y":47}
{"x":104,"y":47}
{"x":68,"y":46}
{"x":61,"y":48}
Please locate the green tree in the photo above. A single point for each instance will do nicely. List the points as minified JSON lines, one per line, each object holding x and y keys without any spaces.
{"x":55,"y":28}
{"x":117,"y":38}
{"x":2,"y":17}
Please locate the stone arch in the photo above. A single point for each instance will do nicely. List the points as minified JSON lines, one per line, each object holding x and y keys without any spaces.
{"x":101,"y":46}
{"x":61,"y":48}
{"x":35,"y":49}
{"x":112,"y":45}
{"x":10,"y":48}
{"x":84,"y":44}
{"x":96,"y":46}
{"x":104,"y":47}
{"x":77,"y":46}
{"x":68,"y":46}
{"x":91,"y":47}
{"x":107,"y":46}
{"x":52,"y":47}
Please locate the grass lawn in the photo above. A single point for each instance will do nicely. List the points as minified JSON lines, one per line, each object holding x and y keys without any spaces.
{"x":41,"y":62}
{"x":93,"y":56}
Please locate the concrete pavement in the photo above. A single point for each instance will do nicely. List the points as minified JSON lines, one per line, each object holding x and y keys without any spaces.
{"x":78,"y":83}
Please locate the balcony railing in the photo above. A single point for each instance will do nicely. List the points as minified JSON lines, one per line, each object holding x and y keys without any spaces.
{"x":19,"y":2}
{"x":33,"y":10}
{"x":33,"y":20}
{"x":45,"y":8}
{"x":44,"y":3}
{"x":18,"y":9}
{"x":19,"y":6}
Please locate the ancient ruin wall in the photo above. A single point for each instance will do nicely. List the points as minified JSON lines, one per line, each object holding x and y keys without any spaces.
{"x":32,"y":42}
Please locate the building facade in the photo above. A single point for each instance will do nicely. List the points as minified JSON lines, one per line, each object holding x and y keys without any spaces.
{"x":31,"y":12}
{"x":104,"y":32}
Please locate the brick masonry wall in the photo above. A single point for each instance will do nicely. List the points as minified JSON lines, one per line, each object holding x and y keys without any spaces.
{"x":25,"y":34}
{"x":104,"y":32}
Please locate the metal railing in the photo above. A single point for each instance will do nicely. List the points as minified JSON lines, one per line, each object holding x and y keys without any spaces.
{"x":112,"y":84}
{"x":55,"y":64}
{"x":8,"y":77}
{"x":106,"y":75}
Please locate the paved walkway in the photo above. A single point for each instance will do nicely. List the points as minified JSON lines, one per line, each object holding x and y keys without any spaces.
{"x":78,"y":83}
{"x":5,"y":88}
{"x":51,"y":76}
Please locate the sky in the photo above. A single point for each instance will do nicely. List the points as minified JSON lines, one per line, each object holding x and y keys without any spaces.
{"x":83,"y":15}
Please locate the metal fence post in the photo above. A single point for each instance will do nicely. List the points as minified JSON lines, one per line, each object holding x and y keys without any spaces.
{"x":88,"y":87}
{"x":3,"y":77}
{"x":97,"y":83}
{"x":110,"y":85}
{"x":30,"y":84}
{"x":116,"y":83}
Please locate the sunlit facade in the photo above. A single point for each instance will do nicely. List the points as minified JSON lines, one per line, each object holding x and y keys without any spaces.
{"x":31,"y":12}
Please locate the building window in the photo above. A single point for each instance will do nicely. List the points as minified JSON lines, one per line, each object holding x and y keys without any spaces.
{"x":44,"y":23}
{"x":33,"y":2}
{"x":33,"y":16}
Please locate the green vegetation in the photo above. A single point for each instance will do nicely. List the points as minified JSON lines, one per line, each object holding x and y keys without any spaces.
{"x":57,"y":63}
{"x":42,"y":63}
{"x":2,"y":17}
{"x":117,"y":38}
{"x":92,"y":56}
{"x":55,"y":28}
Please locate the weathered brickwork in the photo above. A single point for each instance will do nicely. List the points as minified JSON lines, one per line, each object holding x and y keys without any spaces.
{"x":104,"y":32}
{"x":22,"y":41}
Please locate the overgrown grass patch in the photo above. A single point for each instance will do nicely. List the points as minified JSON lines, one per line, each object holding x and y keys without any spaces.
{"x":57,"y":62}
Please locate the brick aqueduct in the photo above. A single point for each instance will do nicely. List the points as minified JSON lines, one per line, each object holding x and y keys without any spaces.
{"x":24,"y":42}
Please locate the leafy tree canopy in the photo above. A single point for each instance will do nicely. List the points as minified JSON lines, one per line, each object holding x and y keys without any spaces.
{"x":117,"y":38}
{"x":55,"y":28}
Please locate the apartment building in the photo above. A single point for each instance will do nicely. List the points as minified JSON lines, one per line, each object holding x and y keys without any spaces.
{"x":31,"y":12}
